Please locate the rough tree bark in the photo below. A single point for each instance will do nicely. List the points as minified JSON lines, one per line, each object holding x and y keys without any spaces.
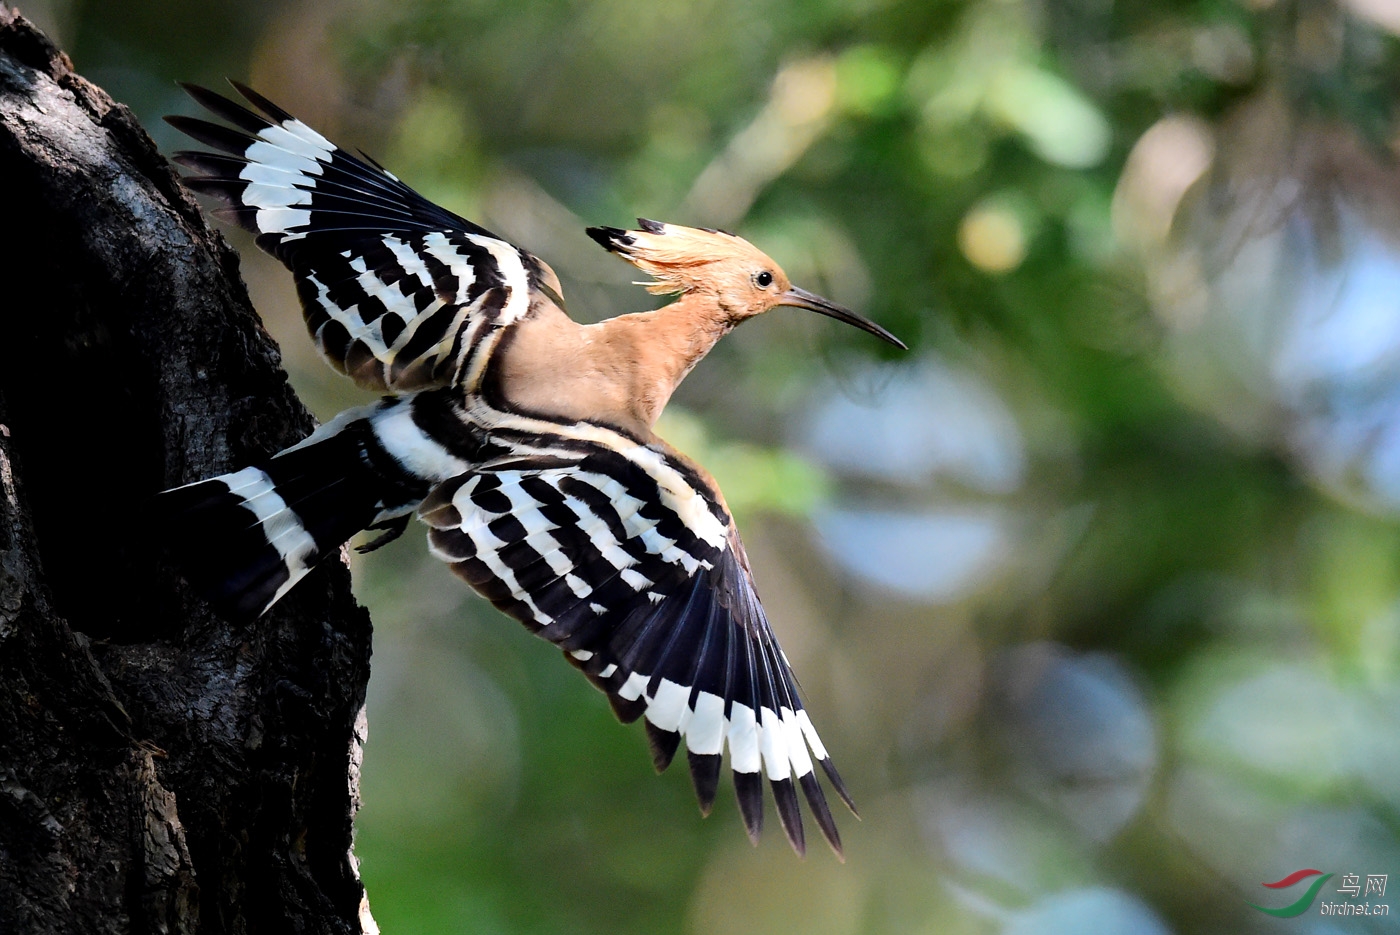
{"x":161,"y":769}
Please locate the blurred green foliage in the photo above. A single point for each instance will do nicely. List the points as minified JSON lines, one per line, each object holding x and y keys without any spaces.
{"x":1160,"y":238}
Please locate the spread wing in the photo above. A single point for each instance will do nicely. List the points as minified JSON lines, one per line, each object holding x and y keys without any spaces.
{"x":396,"y":290}
{"x":628,"y":561}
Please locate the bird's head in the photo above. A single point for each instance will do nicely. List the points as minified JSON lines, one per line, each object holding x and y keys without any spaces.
{"x":743,"y":280}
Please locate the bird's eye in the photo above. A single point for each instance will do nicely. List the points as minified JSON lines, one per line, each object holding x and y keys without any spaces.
{"x":764,"y":279}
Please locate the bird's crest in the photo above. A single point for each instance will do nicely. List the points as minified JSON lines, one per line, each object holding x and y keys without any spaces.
{"x":676,"y":257}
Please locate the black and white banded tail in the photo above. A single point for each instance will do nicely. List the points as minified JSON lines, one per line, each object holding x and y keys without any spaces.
{"x":245,"y":538}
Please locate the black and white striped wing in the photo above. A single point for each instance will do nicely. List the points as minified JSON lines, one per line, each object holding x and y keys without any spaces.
{"x":396,"y":290}
{"x":629,"y":563}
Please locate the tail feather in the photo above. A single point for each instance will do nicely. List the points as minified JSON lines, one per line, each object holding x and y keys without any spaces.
{"x":245,"y":538}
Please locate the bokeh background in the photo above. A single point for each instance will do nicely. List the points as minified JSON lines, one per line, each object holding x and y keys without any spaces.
{"x":1094,"y":594}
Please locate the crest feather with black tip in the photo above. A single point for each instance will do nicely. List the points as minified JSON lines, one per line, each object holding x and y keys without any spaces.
{"x":677,"y":257}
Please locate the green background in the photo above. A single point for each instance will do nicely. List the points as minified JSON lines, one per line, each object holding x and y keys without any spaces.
{"x":1094,"y":594}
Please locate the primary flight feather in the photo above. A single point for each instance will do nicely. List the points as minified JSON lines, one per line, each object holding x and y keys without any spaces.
{"x":522,"y":439}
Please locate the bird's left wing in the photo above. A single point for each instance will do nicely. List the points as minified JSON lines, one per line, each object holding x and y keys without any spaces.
{"x":396,"y":289}
{"x":624,"y":556}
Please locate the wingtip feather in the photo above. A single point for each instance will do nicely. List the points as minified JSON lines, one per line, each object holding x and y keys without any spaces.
{"x":663,"y":745}
{"x":704,"y":773}
{"x":838,"y":784}
{"x":816,"y":801}
{"x":626,"y":711}
{"x":261,"y":103}
{"x":790,"y":814}
{"x":748,"y":789}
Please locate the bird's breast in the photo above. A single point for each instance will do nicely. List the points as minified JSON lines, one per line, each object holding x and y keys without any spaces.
{"x":557,"y":369}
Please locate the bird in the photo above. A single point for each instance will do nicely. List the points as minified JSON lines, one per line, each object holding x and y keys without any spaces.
{"x":523,"y":440}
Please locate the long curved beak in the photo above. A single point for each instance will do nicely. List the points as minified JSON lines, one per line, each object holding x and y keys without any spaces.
{"x":801,"y":298}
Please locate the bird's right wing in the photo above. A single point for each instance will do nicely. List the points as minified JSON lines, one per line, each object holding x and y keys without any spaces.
{"x":397,"y":291}
{"x":624,"y":556}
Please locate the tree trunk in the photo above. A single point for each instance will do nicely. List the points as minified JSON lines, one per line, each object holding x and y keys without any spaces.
{"x":161,"y":769}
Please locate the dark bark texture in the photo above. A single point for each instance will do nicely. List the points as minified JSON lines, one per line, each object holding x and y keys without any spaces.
{"x":161,"y":769}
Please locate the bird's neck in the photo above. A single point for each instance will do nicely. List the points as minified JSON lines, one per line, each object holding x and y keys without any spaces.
{"x":621,"y":371}
{"x":661,"y":347}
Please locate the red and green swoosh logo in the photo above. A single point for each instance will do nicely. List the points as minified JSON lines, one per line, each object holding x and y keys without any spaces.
{"x":1304,"y":902}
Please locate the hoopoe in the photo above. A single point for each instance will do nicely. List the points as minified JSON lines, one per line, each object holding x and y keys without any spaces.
{"x":523,"y":440}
